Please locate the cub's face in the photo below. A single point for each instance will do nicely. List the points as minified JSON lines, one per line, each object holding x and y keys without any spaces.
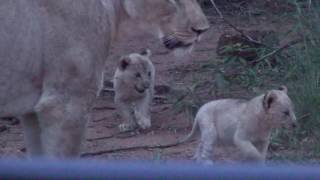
{"x":178,"y":23}
{"x":137,"y":71}
{"x":279,"y":108}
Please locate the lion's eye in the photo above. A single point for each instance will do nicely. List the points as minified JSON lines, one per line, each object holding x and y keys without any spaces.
{"x":138,"y":75}
{"x":286,"y":113}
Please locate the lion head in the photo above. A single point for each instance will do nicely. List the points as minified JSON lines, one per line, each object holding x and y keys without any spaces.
{"x":279,"y":108}
{"x":178,"y":23}
{"x":137,"y":72}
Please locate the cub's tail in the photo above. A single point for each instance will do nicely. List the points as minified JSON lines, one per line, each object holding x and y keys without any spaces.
{"x":191,"y":134}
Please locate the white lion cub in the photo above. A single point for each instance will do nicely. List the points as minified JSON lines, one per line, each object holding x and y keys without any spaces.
{"x":134,"y":86}
{"x":245,"y":124}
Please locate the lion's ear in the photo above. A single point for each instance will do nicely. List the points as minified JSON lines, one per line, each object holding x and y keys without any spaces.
{"x":283,"y":88}
{"x":268,"y":99}
{"x":124,"y":63}
{"x":146,"y":52}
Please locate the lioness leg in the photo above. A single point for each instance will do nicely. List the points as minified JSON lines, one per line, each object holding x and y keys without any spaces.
{"x":142,"y":113}
{"x":62,"y":121}
{"x":197,"y":154}
{"x":127,"y":114}
{"x":208,"y":138}
{"x":32,"y":134}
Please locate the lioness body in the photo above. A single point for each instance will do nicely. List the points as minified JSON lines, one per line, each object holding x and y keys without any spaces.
{"x":245,"y":124}
{"x":52,"y":54}
{"x":46,"y":51}
{"x":134,"y":86}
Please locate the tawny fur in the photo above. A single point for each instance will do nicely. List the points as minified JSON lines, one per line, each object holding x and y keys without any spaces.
{"x":134,"y":86}
{"x":244,"y":124}
{"x":53,"y":54}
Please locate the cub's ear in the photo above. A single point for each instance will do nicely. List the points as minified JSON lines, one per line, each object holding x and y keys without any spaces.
{"x":146,"y":52}
{"x":124,"y":63}
{"x":283,"y":88}
{"x":268,"y":99}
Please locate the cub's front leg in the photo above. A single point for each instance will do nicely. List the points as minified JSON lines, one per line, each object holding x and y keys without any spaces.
{"x":127,"y":115}
{"x":262,"y":147}
{"x":248,"y":150}
{"x":142,"y":112}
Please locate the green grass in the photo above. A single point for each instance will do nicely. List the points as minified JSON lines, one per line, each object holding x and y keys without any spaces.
{"x":303,"y":77}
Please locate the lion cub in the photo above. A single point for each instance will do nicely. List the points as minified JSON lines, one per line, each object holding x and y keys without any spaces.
{"x":245,"y":124}
{"x":134,"y":86}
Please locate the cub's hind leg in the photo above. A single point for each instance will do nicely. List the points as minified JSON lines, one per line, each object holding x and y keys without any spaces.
{"x":204,"y":152}
{"x":32,"y":133}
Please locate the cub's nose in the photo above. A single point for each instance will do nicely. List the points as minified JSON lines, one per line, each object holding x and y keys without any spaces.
{"x":199,"y":31}
{"x":146,"y":85}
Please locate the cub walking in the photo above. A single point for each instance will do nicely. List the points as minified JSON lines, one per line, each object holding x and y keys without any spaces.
{"x":245,"y":124}
{"x":134,"y":88}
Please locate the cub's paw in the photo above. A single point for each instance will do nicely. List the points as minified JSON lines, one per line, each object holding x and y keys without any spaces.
{"x":125,"y":127}
{"x":143,"y":122}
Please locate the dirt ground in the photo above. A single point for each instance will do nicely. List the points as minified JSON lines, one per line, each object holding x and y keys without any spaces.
{"x":167,"y":126}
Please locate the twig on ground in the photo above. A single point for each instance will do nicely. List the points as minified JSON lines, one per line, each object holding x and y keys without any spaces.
{"x":304,"y":116}
{"x":117,"y":134}
{"x":181,"y":98}
{"x":104,"y":108}
{"x":247,"y":37}
{"x":250,"y":39}
{"x":217,"y":9}
{"x":99,"y":120}
{"x":291,"y":43}
{"x":102,"y":138}
{"x":121,"y":149}
{"x":205,"y":49}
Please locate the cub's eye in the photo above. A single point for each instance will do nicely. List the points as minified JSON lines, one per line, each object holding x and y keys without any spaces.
{"x":149,"y":74}
{"x":286,"y":113}
{"x":138,"y":75}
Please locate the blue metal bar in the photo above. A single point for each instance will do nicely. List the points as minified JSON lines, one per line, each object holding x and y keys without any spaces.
{"x":145,"y":170}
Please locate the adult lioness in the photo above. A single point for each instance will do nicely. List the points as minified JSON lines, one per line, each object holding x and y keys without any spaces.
{"x":245,"y":124}
{"x":52,"y":55}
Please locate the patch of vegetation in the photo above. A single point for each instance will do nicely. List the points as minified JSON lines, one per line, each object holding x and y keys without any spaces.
{"x":296,"y":65}
{"x":188,"y":101}
{"x":304,"y":82}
